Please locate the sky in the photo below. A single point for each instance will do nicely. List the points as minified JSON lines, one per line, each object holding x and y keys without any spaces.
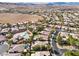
{"x":39,"y":0}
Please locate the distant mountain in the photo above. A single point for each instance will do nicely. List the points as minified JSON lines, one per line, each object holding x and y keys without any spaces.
{"x":20,"y":4}
{"x":51,"y":4}
{"x":23,"y":4}
{"x":63,"y":3}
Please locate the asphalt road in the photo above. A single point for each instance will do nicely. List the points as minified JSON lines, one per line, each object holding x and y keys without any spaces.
{"x":56,"y":50}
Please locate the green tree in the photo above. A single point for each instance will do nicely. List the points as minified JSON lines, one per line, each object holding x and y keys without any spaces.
{"x":40,"y":28}
{"x":9,"y":25}
{"x":77,"y":42}
{"x":17,"y":25}
{"x":10,"y":42}
{"x":9,"y":35}
{"x":71,"y":53}
{"x":41,"y":48}
{"x":30,"y":40}
{"x":36,"y":48}
{"x":48,"y":47}
{"x":68,"y":53}
{"x":25,"y":53}
{"x":49,"y":36}
{"x":59,"y":39}
{"x":71,"y":40}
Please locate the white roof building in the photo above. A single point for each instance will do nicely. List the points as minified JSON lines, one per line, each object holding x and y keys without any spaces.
{"x":18,"y":36}
{"x":2,"y":38}
{"x":4,"y":48}
{"x":18,"y":48}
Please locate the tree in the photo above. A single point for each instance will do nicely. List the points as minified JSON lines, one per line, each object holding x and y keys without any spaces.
{"x":41,"y":48}
{"x":30,"y":40}
{"x":68,"y":53}
{"x":10,"y":42}
{"x":36,"y":48}
{"x":9,"y":35}
{"x":31,"y":29}
{"x":40,"y":28}
{"x":49,"y":36}
{"x":9,"y":25}
{"x":77,"y":43}
{"x":71,"y":53}
{"x":71,"y":40}
{"x":25,"y":53}
{"x":35,"y":33}
{"x":48,"y":47}
{"x":59,"y":39}
{"x":17,"y":25}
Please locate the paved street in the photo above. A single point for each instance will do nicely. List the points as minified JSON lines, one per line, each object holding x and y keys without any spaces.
{"x":56,"y":50}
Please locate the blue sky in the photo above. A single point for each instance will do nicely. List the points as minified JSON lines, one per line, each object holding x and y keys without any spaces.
{"x":39,"y":0}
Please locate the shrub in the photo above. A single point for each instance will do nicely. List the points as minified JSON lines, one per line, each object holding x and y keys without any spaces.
{"x":41,"y":48}
{"x":71,"y":53}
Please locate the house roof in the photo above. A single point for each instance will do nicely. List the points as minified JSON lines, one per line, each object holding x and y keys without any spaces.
{"x":18,"y":47}
{"x":4,"y":48}
{"x":2,"y":38}
{"x":24,"y":35}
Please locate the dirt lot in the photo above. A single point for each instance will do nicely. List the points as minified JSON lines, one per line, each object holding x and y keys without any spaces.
{"x":18,"y":18}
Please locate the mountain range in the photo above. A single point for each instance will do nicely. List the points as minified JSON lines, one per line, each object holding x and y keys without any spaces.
{"x":63,"y":3}
{"x":49,"y":3}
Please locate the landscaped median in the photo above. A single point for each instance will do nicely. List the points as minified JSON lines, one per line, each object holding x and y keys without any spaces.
{"x":71,"y":53}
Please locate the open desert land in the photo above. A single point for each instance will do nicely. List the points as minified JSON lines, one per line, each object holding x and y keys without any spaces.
{"x":13,"y":18}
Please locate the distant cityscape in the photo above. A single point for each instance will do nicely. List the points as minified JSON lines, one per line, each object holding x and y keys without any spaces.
{"x":44,"y":29}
